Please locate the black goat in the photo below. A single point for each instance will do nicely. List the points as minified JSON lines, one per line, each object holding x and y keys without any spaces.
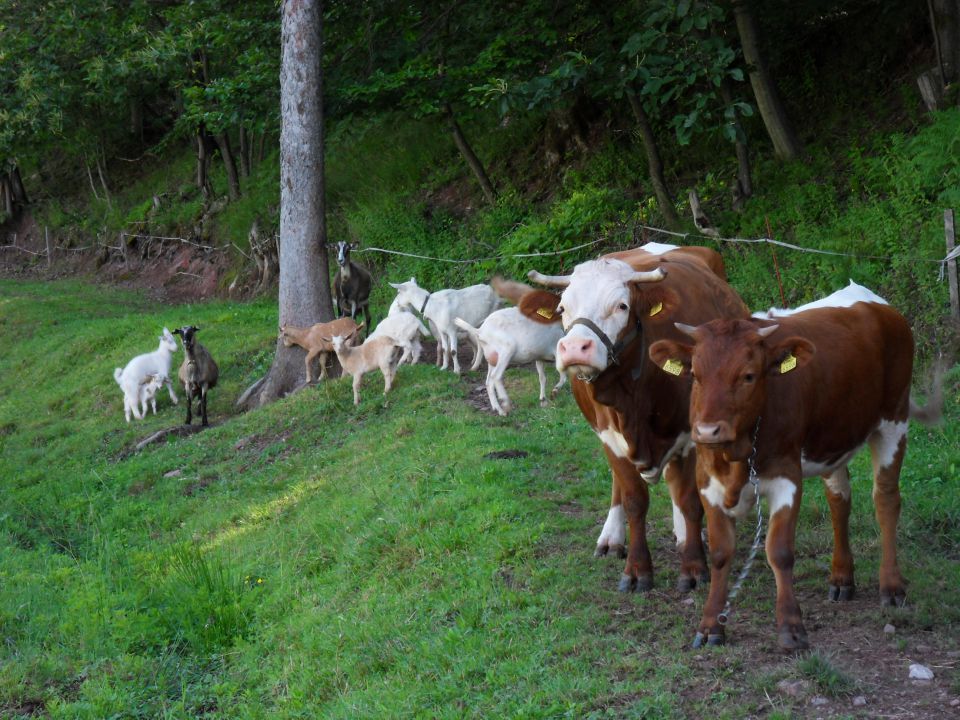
{"x":198,"y":373}
{"x":351,"y":285}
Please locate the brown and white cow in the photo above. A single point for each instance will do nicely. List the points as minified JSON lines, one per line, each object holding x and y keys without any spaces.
{"x":612,"y":309}
{"x":776,"y":400}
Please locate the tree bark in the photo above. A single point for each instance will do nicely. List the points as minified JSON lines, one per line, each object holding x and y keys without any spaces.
{"x":244,"y":152}
{"x":744,"y":181}
{"x":16,"y":185}
{"x":304,"y":274}
{"x":233,"y":180}
{"x":470,"y":156}
{"x":103,"y":180}
{"x":260,"y":146}
{"x":774,"y":115}
{"x":7,"y":195}
{"x":945,"y":18}
{"x":203,"y":162}
{"x":654,"y":164}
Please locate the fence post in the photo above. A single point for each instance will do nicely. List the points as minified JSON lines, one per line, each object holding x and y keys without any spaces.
{"x":950,"y":234}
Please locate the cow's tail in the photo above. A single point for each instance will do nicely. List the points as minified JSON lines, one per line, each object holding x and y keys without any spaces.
{"x":509,"y":289}
{"x":932,"y":412}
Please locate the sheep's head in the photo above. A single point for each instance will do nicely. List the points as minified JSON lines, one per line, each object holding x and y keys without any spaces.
{"x":186,"y":333}
{"x":167,"y":341}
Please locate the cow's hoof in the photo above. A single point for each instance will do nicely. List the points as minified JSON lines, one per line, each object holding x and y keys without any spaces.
{"x":793,"y":638}
{"x":896,"y":598}
{"x":685,"y":583}
{"x":711,"y":640}
{"x":615,"y":550}
{"x":629,"y":583}
{"x":840,"y":593}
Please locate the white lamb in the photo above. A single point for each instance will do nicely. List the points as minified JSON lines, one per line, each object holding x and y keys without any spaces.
{"x":441,"y":308}
{"x":135,"y":374}
{"x":508,"y":336}
{"x":406,"y":330}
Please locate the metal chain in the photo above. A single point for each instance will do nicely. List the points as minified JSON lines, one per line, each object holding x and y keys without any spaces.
{"x":754,"y":480}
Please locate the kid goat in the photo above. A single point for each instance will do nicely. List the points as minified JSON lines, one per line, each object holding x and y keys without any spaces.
{"x":312,"y":339}
{"x":198,"y":373}
{"x":357,"y":361}
{"x":132,"y":377}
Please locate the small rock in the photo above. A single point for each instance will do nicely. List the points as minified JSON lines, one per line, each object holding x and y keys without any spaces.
{"x":955,"y":702}
{"x":819,"y":700}
{"x":173,"y":474}
{"x":920,"y":672}
{"x":793,"y":688}
{"x":889,"y":629}
{"x":859,"y":701}
{"x":687,"y":601}
{"x":922,"y":649}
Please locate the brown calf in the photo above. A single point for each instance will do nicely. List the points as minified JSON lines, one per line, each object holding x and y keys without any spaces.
{"x":775,"y":401}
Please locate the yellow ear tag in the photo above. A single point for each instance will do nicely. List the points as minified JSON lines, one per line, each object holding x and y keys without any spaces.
{"x":788,"y":364}
{"x":674,"y":367}
{"x":545,"y":313}
{"x":656,"y":308}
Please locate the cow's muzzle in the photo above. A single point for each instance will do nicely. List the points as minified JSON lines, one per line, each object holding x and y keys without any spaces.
{"x":713,"y":433}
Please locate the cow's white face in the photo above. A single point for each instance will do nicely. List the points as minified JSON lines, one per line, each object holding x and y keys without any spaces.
{"x":599,"y":291}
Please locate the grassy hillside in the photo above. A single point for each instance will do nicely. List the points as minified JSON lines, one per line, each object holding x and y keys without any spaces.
{"x":313,"y":559}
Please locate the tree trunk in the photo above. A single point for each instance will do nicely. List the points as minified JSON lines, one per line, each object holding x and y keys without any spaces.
{"x":7,"y":195}
{"x":260,"y":145}
{"x":136,"y":118}
{"x":785,"y":142}
{"x":203,"y":163}
{"x":233,"y":180}
{"x":654,"y":164}
{"x":945,"y":18}
{"x":244,"y":152}
{"x":93,"y":186}
{"x":470,"y":156}
{"x":16,"y":184}
{"x":744,"y":187}
{"x":304,"y":275}
{"x":103,"y":180}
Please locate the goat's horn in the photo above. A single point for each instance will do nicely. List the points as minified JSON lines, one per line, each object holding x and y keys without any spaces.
{"x":647,"y":276}
{"x":549,"y":280}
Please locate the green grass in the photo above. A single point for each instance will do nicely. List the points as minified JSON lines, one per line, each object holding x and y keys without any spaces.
{"x":312,"y":559}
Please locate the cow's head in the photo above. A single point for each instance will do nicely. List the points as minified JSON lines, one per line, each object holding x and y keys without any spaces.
{"x":598,"y":312}
{"x":731,"y":362}
{"x":343,"y":252}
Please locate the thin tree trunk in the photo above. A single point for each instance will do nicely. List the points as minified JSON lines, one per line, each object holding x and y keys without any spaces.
{"x":260,"y":146}
{"x":304,"y":274}
{"x":233,"y":180}
{"x":16,"y":186}
{"x":136,"y":118}
{"x":654,"y":164}
{"x":203,"y":163}
{"x":103,"y":180}
{"x":93,"y":185}
{"x":744,"y":181}
{"x":470,"y":156}
{"x":7,"y":195}
{"x":244,"y":152}
{"x":785,"y":142}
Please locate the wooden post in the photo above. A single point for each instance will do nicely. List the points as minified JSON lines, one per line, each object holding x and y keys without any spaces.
{"x":46,"y":234}
{"x":950,"y":234}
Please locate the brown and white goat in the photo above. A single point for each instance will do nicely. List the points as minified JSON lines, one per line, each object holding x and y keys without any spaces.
{"x":315,"y":340}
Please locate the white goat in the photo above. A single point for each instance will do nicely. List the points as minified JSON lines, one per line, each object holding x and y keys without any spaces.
{"x":359,"y":360}
{"x":441,"y":308}
{"x":406,"y":330}
{"x":148,"y":392}
{"x":131,"y":378}
{"x":508,"y":336}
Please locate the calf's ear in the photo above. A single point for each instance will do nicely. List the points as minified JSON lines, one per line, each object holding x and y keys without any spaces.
{"x":789,"y":355}
{"x":672,"y":357}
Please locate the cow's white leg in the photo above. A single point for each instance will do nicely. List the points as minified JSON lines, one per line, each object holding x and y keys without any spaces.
{"x":560,"y":383}
{"x":613,"y":537}
{"x":542,"y":377}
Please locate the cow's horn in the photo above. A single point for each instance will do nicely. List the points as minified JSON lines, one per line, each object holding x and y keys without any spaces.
{"x":686,"y":329}
{"x":549,"y":280}
{"x":764,"y":331}
{"x":647,"y":276}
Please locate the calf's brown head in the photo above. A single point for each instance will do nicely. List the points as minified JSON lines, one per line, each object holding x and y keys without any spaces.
{"x":731,"y":362}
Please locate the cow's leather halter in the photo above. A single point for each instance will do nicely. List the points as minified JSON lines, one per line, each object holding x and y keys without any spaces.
{"x":613,"y":348}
